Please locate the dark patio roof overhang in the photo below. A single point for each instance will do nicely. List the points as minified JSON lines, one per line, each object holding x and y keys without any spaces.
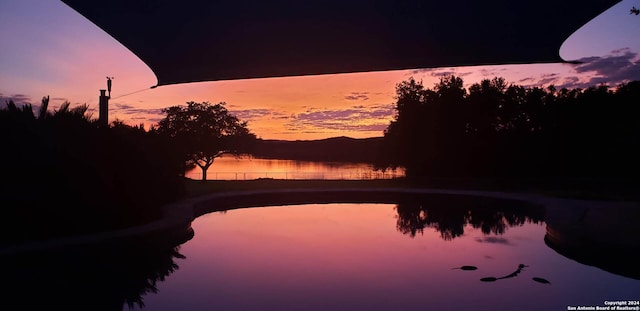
{"x":198,"y":40}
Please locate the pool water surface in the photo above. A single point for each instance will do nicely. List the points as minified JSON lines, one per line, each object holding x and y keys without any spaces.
{"x":405,"y":256}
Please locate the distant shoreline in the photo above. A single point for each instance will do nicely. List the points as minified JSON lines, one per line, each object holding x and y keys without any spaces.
{"x":334,"y":149}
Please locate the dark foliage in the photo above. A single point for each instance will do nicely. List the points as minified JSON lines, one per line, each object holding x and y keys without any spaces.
{"x":505,"y":131}
{"x":64,"y":174}
{"x":202,"y":132}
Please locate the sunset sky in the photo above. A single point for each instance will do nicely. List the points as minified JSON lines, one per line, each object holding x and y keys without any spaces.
{"x":50,"y":50}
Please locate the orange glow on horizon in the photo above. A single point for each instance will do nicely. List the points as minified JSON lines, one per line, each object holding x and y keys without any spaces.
{"x":357,"y":105}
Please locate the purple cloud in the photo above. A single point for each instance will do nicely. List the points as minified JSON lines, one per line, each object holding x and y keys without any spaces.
{"x":258,"y":113}
{"x":492,"y":71}
{"x":620,"y":66}
{"x":282,"y":117}
{"x":443,"y":73}
{"x":342,"y":126}
{"x":550,"y":78}
{"x":421,"y":71}
{"x":440,"y":72}
{"x":127,"y":109}
{"x":610,"y":65}
{"x":570,"y":81}
{"x":123,"y":106}
{"x":357,"y":96}
{"x":525,"y":80}
{"x":356,"y":118}
{"x":18,"y":99}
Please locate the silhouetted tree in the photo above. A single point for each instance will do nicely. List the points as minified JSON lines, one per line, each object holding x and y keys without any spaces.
{"x":502,"y":130}
{"x":203,"y":132}
{"x":429,"y":127}
{"x":399,"y":148}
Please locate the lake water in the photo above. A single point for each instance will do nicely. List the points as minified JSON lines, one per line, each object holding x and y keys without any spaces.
{"x":347,"y":256}
{"x":231,"y":168}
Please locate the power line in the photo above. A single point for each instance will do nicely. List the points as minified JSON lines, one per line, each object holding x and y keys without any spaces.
{"x":138,"y":91}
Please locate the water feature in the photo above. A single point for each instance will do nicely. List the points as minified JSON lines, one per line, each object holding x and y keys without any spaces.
{"x":229,"y":167}
{"x":420,"y":252}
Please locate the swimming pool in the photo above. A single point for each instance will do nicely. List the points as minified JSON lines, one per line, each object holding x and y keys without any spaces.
{"x":410,"y":251}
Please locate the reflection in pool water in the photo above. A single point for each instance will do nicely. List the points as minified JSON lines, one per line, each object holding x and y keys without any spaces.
{"x":108,"y":276}
{"x":423,"y":253}
{"x":381,"y":257}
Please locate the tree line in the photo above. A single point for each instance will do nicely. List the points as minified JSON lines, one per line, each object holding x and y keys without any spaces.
{"x":494,"y":129}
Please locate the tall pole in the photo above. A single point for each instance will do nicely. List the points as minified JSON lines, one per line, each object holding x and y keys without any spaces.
{"x":104,"y":103}
{"x":104,"y":108}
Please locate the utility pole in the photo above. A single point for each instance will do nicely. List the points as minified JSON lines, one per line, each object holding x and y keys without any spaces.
{"x":104,"y":104}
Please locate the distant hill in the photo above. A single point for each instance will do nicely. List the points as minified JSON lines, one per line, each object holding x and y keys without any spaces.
{"x":336,"y":149}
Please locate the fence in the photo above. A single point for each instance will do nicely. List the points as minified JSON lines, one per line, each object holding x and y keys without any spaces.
{"x":297,"y":175}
